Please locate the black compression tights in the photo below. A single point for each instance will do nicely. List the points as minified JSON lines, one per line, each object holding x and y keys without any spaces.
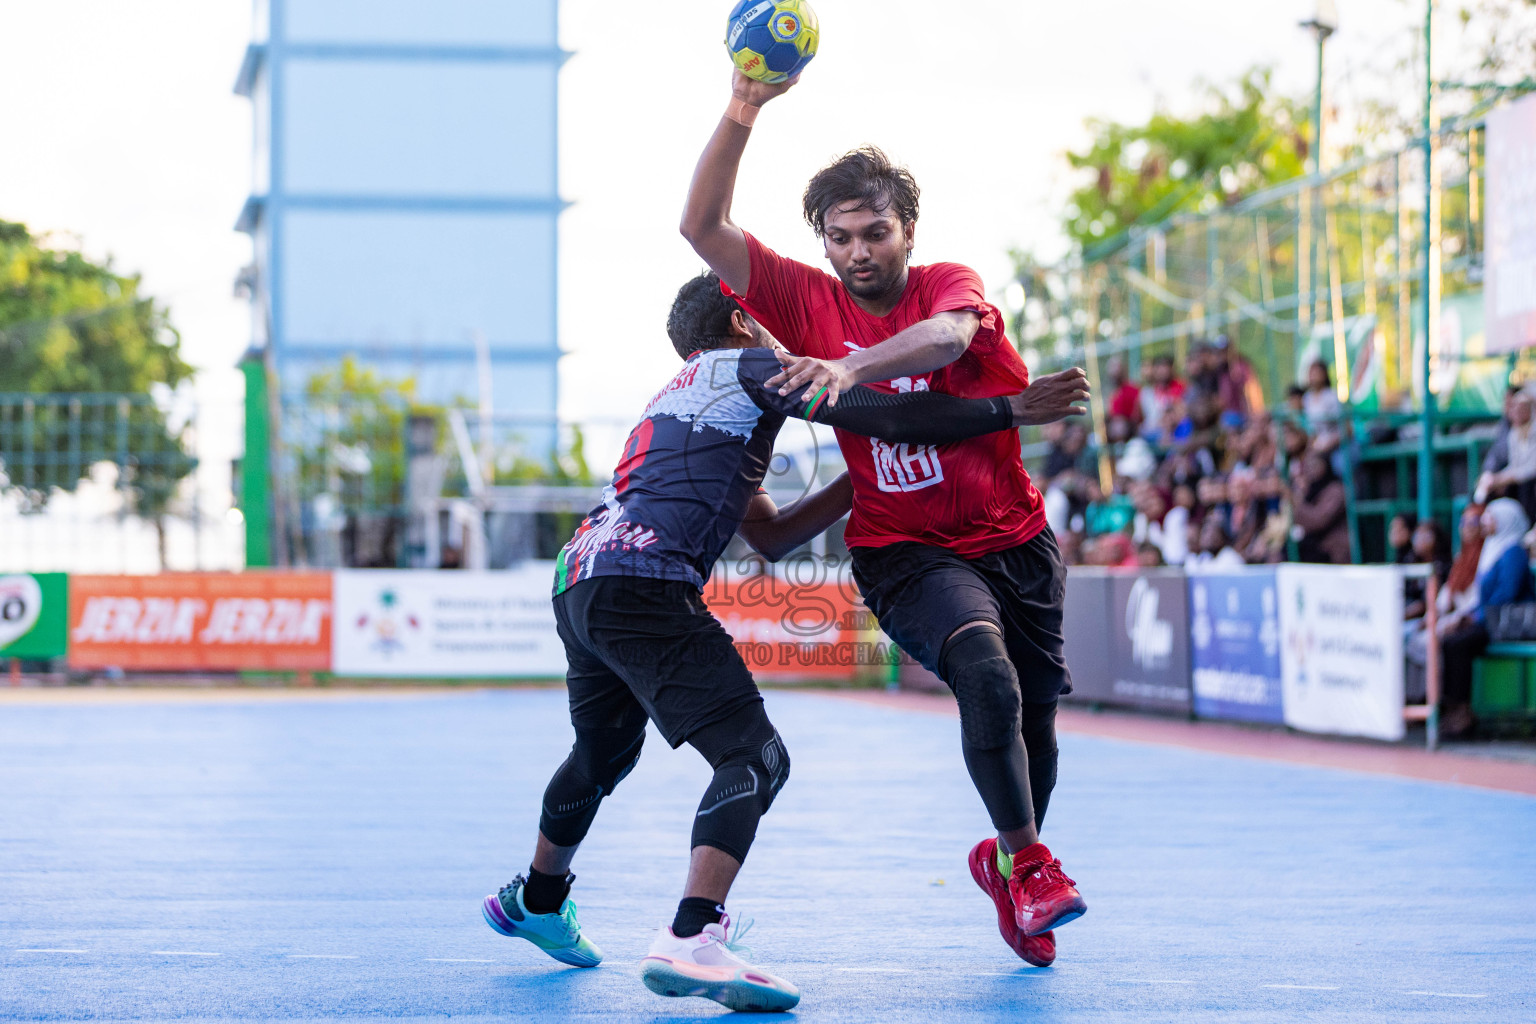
{"x":1009,"y":747}
{"x":749,"y":759}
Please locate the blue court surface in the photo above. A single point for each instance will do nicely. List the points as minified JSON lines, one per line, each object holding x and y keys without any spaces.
{"x":323,"y":858}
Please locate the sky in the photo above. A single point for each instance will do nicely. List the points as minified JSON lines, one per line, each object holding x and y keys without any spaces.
{"x":121,"y":133}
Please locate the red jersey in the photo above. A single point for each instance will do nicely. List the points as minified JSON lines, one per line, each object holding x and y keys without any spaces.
{"x":1127,"y":402}
{"x":972,"y":497}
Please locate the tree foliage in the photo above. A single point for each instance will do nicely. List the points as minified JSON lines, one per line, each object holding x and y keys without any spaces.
{"x":71,"y":326}
{"x":1500,"y":36}
{"x":1242,"y":139}
{"x":353,"y":443}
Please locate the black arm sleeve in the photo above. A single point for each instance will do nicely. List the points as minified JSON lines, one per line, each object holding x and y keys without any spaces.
{"x":918,"y":417}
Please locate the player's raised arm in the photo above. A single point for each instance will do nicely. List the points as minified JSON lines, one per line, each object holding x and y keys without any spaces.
{"x":707,"y":213}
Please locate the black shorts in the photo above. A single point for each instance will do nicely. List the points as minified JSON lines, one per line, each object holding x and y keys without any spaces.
{"x":921,"y":594}
{"x":633,"y":641}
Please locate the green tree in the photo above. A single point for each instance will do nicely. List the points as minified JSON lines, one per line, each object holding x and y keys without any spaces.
{"x":1239,"y":139}
{"x":353,"y":443}
{"x":1243,"y":139}
{"x":70,"y":326}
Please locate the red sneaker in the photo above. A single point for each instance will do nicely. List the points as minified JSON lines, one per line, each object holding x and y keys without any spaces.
{"x":1039,"y":950}
{"x":1043,"y":896}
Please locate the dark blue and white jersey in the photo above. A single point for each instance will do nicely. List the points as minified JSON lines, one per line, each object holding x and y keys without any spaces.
{"x":697,"y":458}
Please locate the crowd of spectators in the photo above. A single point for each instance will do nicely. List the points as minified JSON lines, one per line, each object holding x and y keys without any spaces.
{"x":1201,"y":472}
{"x":1203,"y":475}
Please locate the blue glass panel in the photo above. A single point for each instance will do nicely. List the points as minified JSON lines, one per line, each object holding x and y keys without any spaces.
{"x":417,"y":281}
{"x":518,"y":23}
{"x":404,"y":127}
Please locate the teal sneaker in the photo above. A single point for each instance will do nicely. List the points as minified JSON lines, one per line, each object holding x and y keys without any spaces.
{"x":558,"y":934}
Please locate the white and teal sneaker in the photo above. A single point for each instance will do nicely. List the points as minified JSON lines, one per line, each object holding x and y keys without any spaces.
{"x":558,"y":934}
{"x":712,"y":966}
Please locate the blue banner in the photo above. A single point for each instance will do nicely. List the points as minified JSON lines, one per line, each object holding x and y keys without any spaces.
{"x":1234,"y":634}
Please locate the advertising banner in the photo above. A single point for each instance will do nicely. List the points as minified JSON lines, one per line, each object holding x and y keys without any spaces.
{"x":788,"y":630}
{"x":1148,"y":640}
{"x":447,"y":624}
{"x":1234,"y":638}
{"x":1086,"y":610}
{"x":34,"y":615}
{"x":225,"y":622}
{"x":1509,"y":268}
{"x":1341,"y":660}
{"x":1126,"y":638}
{"x":1468,"y":376}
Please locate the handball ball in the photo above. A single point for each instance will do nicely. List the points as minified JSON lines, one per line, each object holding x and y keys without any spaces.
{"x":771,"y":40}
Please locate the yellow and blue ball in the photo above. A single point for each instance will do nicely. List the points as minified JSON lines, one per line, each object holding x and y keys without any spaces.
{"x":771,"y":40}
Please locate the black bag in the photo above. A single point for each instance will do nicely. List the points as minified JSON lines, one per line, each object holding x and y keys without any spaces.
{"x":1512,"y":622}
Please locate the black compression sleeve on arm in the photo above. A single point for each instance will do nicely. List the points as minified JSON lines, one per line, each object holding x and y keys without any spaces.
{"x":918,"y":417}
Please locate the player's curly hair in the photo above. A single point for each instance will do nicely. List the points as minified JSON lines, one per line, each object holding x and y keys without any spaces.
{"x":701,"y":316}
{"x":865,"y":176}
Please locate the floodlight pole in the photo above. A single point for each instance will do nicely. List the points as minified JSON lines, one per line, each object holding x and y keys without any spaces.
{"x":1322,"y":25}
{"x":1431,"y":267}
{"x":1323,"y":32}
{"x":1427,"y":422}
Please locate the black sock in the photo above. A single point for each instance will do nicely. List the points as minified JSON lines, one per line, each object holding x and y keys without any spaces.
{"x":693,"y":913}
{"x":545,"y":894}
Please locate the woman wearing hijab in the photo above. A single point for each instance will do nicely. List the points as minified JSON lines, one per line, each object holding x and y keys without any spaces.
{"x":1503,"y":576}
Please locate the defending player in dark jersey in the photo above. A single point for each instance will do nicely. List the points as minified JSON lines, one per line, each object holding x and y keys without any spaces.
{"x":642,"y":645}
{"x":949,"y":543}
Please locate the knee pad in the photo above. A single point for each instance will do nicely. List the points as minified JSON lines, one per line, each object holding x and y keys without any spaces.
{"x":755,"y":773}
{"x":751,"y":765}
{"x":598,"y":762}
{"x":975,"y":664}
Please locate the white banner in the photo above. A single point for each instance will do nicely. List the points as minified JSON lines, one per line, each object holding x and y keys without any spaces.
{"x":1509,"y":250}
{"x":1341,"y":659}
{"x":446,"y":624}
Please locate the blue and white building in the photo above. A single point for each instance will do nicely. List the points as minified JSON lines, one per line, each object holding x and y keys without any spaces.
{"x":405,"y":196}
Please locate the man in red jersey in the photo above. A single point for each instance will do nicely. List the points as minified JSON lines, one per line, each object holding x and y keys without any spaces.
{"x":949,"y":542}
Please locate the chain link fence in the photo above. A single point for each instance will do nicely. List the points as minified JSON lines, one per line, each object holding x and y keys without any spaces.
{"x":378,"y":482}
{"x":1328,"y":267}
{"x":103,"y":483}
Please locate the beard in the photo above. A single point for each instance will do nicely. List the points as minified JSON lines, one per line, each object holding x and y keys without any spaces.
{"x":875,"y":287}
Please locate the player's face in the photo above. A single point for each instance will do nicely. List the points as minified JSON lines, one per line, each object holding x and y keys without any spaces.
{"x":868,"y":251}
